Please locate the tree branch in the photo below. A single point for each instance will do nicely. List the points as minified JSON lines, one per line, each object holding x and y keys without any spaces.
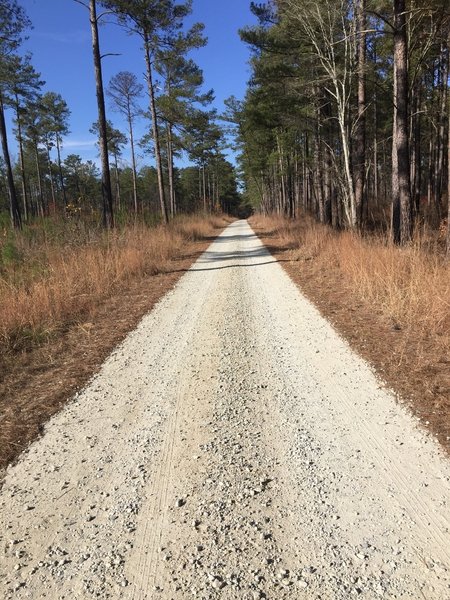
{"x":110,"y":54}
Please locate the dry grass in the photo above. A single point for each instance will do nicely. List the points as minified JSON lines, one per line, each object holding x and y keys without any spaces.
{"x":36,"y":383}
{"x":409,"y":286}
{"x":51,"y":276}
{"x":390,"y":303}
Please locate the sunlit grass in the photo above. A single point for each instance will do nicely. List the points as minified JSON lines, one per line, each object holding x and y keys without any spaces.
{"x":52,"y":274}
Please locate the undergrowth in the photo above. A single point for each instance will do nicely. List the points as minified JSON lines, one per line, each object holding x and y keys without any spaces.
{"x":409,"y":286}
{"x":53,"y":273}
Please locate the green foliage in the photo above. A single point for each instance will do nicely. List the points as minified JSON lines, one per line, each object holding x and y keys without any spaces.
{"x":10,"y":255}
{"x":296,"y":126}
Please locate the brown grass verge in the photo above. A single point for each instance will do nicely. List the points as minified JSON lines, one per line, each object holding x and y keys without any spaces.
{"x":391,"y":304}
{"x":38,"y":374}
{"x":50,"y":279}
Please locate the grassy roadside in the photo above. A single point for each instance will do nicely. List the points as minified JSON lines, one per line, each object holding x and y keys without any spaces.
{"x":51,"y":275}
{"x":391,"y":304}
{"x":67,"y":298}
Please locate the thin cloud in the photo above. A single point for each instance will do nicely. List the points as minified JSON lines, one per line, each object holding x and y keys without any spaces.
{"x":68,"y":143}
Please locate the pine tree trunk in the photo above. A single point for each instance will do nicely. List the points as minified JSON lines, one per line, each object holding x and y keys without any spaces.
{"x":348,"y":204}
{"x":376,"y":186}
{"x":440,"y":163}
{"x":16,"y":217}
{"x":116,"y":168}
{"x":108,"y":212}
{"x":281,"y":179}
{"x":404,"y":224}
{"x":415,"y":142}
{"x":172,"y":199}
{"x":22,"y":161}
{"x":199,"y":186}
{"x":155,"y":129}
{"x":210,"y":199}
{"x":204,"y":189}
{"x":328,"y":164}
{"x":360,"y":136}
{"x":395,"y":224}
{"x":375,"y":154}
{"x":61,"y":178}
{"x":318,"y":190}
{"x":448,"y":167}
{"x":430,"y":170}
{"x":41,"y":209}
{"x":50,"y":175}
{"x":133,"y":159}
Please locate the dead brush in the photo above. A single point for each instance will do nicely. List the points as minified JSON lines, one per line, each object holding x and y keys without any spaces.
{"x":409,"y":286}
{"x":197,"y":227}
{"x":49,"y":283}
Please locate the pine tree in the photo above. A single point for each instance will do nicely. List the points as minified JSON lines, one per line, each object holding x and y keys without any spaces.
{"x":156,"y":22}
{"x":25,"y":84}
{"x":116,"y":141}
{"x":183,"y":81}
{"x":13,"y":22}
{"x":55,"y":121}
{"x":125,"y":91}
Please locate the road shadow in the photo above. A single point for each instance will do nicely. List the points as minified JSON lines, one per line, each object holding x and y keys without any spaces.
{"x":210,"y":259}
{"x":234,"y":266}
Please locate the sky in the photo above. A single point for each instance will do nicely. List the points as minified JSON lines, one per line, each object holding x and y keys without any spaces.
{"x":60,"y":43}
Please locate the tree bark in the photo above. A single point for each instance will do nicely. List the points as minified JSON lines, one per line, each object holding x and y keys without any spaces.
{"x":360,"y":136}
{"x":133,"y":158}
{"x":61,"y":178}
{"x":448,"y":167}
{"x":416,"y":133}
{"x":39,"y":176}
{"x":50,"y":174}
{"x":173,"y":207}
{"x":116,"y":169}
{"x":108,"y":212}
{"x":155,"y":129}
{"x":440,"y":176}
{"x":204,"y":188}
{"x":402,"y":206}
{"x":14,"y":208}
{"x":318,"y":164}
{"x":328,"y":163}
{"x":22,"y":161}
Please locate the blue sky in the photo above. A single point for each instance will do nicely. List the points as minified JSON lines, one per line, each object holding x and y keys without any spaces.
{"x":61,"y":46}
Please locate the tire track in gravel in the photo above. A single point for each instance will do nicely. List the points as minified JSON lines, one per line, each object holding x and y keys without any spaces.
{"x":232,"y":447}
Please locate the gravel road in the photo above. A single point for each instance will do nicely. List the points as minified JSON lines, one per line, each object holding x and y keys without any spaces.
{"x":232,"y":447}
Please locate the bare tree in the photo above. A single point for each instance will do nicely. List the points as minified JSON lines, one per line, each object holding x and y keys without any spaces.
{"x":331,"y":37}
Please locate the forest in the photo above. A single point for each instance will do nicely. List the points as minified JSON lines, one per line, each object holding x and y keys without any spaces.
{"x":347,"y":113}
{"x":342,"y":134}
{"x":181,"y":121}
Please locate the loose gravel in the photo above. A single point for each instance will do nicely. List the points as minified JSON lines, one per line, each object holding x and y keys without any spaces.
{"x":232,"y":447}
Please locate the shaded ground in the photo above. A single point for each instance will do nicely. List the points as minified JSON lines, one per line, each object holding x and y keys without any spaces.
{"x":411,"y":364}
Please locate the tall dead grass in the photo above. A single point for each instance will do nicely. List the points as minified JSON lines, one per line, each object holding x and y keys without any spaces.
{"x":49,"y":278}
{"x":410,"y":286}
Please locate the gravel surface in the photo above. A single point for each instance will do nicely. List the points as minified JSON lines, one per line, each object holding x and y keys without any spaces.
{"x":232,"y":447}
